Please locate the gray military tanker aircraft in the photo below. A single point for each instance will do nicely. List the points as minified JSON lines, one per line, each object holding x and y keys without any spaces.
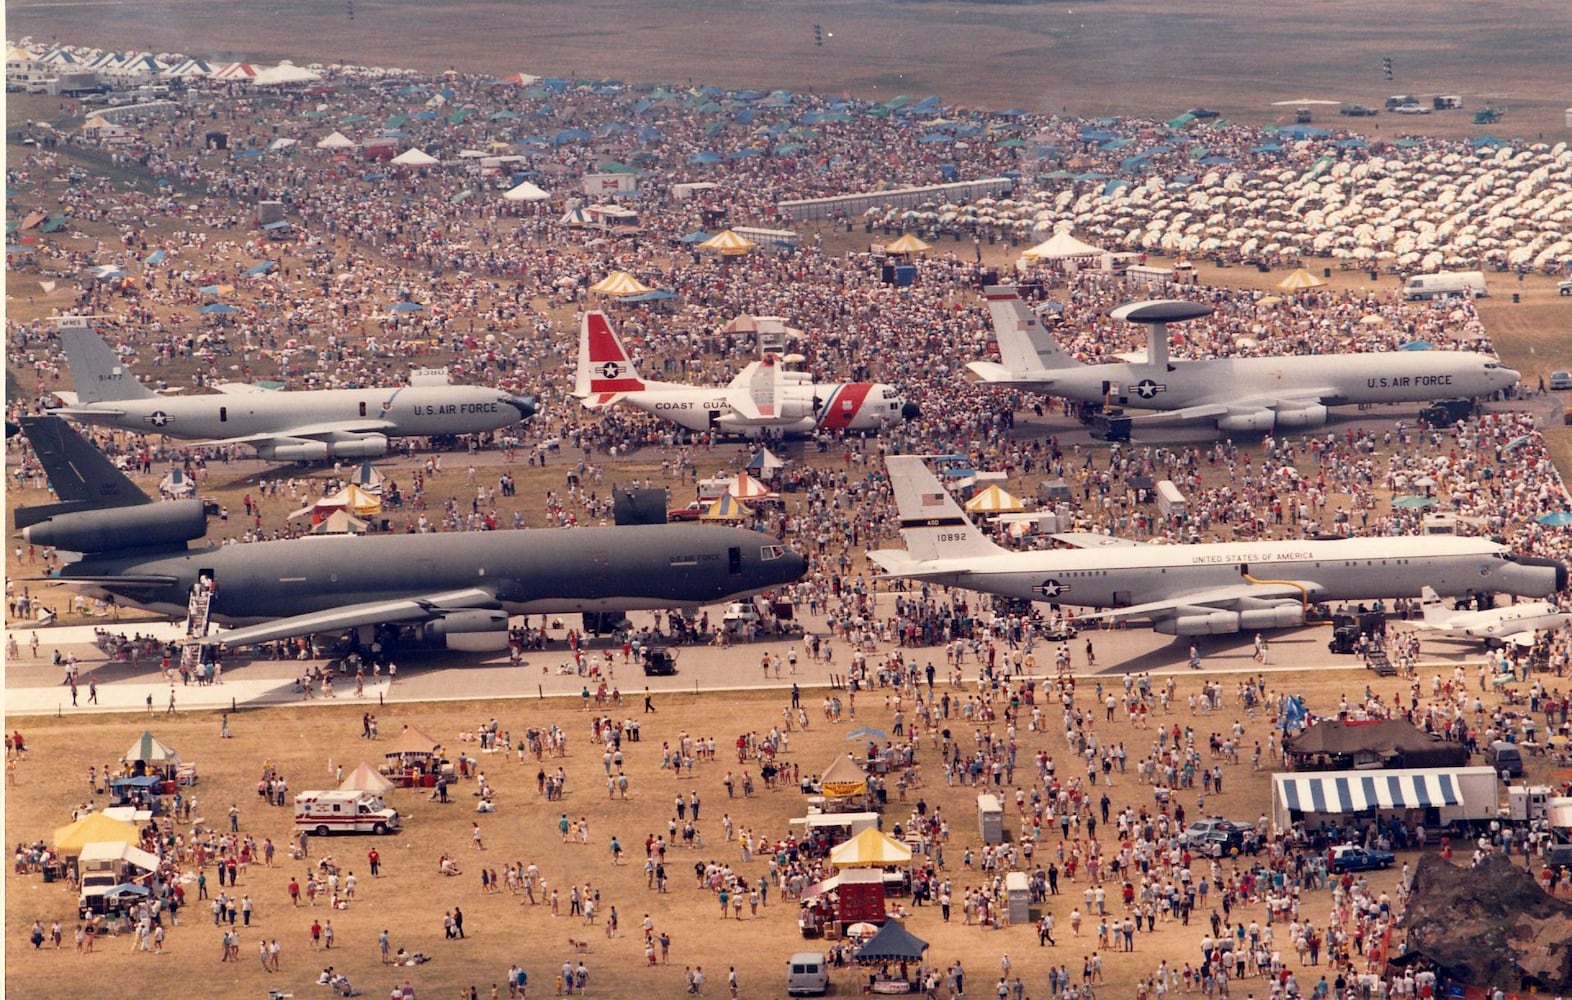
{"x":456,"y":588}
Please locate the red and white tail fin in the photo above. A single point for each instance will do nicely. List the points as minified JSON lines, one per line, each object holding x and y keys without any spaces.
{"x":605,"y":371}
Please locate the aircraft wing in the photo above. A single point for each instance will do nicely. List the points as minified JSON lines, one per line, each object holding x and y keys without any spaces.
{"x":1216,"y":599}
{"x":993,"y":373}
{"x":752,"y":394}
{"x":1210,"y":412}
{"x":239,"y":388}
{"x":311,"y":432}
{"x":402,"y":610}
{"x":1091,"y":540}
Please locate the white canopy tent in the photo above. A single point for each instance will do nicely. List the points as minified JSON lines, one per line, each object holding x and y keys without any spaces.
{"x":337,"y":140}
{"x":415,"y":158}
{"x":526,"y":191}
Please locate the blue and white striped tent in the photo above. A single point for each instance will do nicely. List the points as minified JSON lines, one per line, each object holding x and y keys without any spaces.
{"x":1314,"y":795}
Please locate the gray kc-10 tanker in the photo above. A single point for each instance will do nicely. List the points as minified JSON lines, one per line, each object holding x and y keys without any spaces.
{"x":457,"y":588}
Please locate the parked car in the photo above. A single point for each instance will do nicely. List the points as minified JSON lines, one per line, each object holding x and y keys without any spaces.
{"x":740,"y":613}
{"x":1411,"y":109}
{"x":1560,"y":381}
{"x":692,"y":512}
{"x":1353,"y":858}
{"x":1357,"y":111}
{"x":1203,"y":113}
{"x":1564,"y":287}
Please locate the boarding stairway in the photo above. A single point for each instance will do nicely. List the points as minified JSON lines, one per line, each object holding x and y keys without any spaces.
{"x":198,"y":621}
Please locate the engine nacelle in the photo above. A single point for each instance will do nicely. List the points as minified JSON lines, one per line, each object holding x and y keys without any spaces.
{"x":476,"y":631}
{"x":1251,"y":422}
{"x":302,"y":451}
{"x":1213,"y":623}
{"x":1313,"y":415}
{"x":365,"y":446}
{"x":1282,"y":616}
{"x":796,"y":409}
{"x":155,"y":525}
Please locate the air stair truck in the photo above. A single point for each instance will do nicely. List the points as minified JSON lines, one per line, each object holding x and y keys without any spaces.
{"x":323,"y":813}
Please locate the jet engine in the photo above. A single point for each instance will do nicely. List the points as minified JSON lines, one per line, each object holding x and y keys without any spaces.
{"x":147,"y":526}
{"x":1310,"y":415}
{"x":299,"y":451}
{"x":365,"y":446}
{"x":1248,"y":422}
{"x":471,"y":631}
{"x":1203,"y":623}
{"x":1281,"y":616}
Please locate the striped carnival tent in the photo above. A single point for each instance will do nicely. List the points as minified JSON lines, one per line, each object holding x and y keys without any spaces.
{"x":1314,"y":795}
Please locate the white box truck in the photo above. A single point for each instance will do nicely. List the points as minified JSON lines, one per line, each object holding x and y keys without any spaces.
{"x":1169,"y":499}
{"x":323,"y":813}
{"x":1445,"y":284}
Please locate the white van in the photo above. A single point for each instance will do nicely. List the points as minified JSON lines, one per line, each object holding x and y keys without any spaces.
{"x":807,"y":974}
{"x":1445,"y":283}
{"x":323,"y":813}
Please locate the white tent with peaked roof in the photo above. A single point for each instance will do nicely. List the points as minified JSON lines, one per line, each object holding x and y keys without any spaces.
{"x":415,"y":158}
{"x":526,"y":191}
{"x":337,"y":140}
{"x":1062,"y":245}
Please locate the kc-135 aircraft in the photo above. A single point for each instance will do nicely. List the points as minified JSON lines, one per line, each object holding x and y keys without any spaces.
{"x":763,"y":396}
{"x":1210,"y":589}
{"x":303,"y":425}
{"x":1236,"y":394}
{"x":454,"y":587}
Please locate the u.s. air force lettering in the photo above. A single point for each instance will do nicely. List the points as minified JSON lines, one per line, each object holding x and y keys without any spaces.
{"x":451,"y":409}
{"x":1408,"y":381}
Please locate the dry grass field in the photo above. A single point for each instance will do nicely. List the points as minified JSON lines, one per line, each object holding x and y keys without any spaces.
{"x":1098,"y":57}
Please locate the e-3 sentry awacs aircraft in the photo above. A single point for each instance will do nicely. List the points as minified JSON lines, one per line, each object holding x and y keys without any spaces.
{"x":1238,"y":395}
{"x":453,"y":588}
{"x":304,"y":425}
{"x":763,"y":396}
{"x":1210,"y":589}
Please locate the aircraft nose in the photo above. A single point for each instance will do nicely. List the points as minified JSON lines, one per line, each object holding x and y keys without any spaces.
{"x":1542,"y":563}
{"x":524,"y":404}
{"x":794,"y":565}
{"x":910,"y":411}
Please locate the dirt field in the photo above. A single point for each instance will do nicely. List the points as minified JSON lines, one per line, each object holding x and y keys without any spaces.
{"x":1120,"y":56}
{"x":1145,"y":57}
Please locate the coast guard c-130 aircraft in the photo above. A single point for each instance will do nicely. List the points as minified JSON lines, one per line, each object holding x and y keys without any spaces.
{"x":1211,"y":589}
{"x":763,"y":396}
{"x":307,"y":425}
{"x":1236,"y":394}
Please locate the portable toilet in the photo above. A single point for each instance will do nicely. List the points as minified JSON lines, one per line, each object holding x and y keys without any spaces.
{"x":1018,"y":893}
{"x":990,"y":819}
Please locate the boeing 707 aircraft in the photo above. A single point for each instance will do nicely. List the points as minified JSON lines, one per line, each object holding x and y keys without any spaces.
{"x":1236,"y":394}
{"x":1207,"y":589}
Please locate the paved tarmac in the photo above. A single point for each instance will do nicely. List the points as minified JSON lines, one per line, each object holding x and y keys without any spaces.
{"x":35,"y":686}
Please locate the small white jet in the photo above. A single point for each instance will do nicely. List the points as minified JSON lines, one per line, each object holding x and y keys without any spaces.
{"x":763,"y":397}
{"x":1517,"y":624}
{"x":1239,"y":395}
{"x":309,"y":425}
{"x":1211,"y":589}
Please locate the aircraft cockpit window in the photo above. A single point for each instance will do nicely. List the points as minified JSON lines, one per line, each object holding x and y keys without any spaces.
{"x":768,"y":552}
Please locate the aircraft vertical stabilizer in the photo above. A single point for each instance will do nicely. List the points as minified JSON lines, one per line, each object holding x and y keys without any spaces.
{"x":96,"y":368}
{"x":604,"y":369}
{"x":933,"y":525}
{"x":1024,"y":343}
